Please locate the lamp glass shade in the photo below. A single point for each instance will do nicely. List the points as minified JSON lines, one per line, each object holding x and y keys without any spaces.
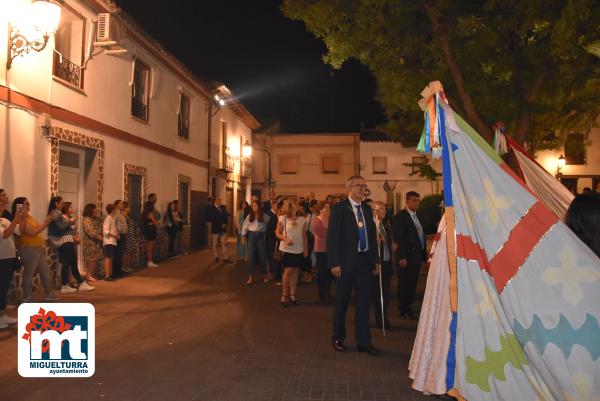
{"x":247,"y":150}
{"x":45,"y":16}
{"x":561,"y":161}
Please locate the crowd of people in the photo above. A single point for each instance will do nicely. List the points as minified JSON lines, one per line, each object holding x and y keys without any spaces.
{"x":286,"y":240}
{"x":108,"y":242}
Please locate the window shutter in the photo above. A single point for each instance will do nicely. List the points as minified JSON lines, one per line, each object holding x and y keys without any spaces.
{"x":379,"y":165}
{"x":288,"y":164}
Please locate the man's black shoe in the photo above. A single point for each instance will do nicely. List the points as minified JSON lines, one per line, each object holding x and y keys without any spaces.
{"x":339,"y":346}
{"x":369,"y":350}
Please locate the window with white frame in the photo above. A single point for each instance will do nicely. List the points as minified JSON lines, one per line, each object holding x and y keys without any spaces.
{"x":331,"y":164}
{"x":288,"y":164}
{"x":379,"y":165}
{"x":140,"y":90}
{"x":183,"y":116}
{"x":69,"y":42}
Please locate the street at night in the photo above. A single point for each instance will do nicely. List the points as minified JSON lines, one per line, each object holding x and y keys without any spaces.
{"x":192,"y":330}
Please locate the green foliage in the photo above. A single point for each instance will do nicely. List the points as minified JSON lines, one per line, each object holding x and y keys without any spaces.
{"x":531,"y":64}
{"x":424,"y":170}
{"x":430,"y":213}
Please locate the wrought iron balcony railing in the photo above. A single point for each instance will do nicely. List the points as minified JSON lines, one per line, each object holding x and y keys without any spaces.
{"x":67,"y":71}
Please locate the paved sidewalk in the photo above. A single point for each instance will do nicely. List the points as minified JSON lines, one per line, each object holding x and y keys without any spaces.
{"x":192,"y":330}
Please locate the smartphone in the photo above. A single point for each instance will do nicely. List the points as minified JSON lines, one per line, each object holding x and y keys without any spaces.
{"x":19,"y":207}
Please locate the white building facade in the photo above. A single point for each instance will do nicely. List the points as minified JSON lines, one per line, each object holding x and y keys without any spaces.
{"x":103,"y":112}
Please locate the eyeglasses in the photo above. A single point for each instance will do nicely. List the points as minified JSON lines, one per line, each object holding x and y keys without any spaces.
{"x":363,"y":186}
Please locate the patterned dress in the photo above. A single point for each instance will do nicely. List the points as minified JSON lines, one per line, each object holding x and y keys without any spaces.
{"x":92,"y":246}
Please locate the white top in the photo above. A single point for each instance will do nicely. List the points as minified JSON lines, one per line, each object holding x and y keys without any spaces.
{"x":293,"y":229}
{"x":7,"y":245}
{"x":109,"y":227}
{"x":362,"y":207}
{"x":255,"y":226}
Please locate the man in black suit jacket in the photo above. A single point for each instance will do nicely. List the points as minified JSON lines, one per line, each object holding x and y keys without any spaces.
{"x":410,"y":254}
{"x":353,"y":260}
{"x":271,"y":241}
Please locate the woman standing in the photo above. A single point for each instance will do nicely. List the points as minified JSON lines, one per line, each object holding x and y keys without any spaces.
{"x":254,"y":228}
{"x":178,"y":220}
{"x":319,"y":229}
{"x":239,"y":223}
{"x":31,"y":250}
{"x":171,"y":227}
{"x":291,"y":230}
{"x":149,"y":225}
{"x":110,"y":236}
{"x":8,"y":256}
{"x":91,"y":240}
{"x":62,"y":235}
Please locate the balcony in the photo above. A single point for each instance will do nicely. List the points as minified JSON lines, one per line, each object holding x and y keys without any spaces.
{"x":229,"y":163}
{"x":67,"y":71}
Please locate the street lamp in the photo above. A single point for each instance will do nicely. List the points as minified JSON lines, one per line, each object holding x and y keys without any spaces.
{"x":247,"y":150}
{"x":44,"y":17}
{"x":560,"y":163}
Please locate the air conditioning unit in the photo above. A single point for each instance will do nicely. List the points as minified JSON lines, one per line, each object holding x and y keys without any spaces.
{"x":107,"y":32}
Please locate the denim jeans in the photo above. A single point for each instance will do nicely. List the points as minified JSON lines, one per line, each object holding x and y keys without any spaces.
{"x":256,"y":252}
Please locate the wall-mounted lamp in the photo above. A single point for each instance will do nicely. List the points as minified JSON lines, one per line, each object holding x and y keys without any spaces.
{"x":44,"y":17}
{"x":247,"y":150}
{"x":45,"y":124}
{"x":560,"y":163}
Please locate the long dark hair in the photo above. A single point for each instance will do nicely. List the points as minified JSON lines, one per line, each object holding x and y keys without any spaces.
{"x":18,"y":201}
{"x":88,"y":210}
{"x":583,"y":217}
{"x":258,"y":215}
{"x":54,"y":201}
{"x":148,"y":208}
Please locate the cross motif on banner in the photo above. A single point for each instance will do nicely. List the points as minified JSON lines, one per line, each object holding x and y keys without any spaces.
{"x":491,"y":204}
{"x":570,"y":276}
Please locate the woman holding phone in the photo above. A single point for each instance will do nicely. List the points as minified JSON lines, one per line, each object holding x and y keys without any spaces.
{"x":31,"y":250}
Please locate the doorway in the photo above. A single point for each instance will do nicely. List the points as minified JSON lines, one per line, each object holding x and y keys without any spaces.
{"x":71,"y":183}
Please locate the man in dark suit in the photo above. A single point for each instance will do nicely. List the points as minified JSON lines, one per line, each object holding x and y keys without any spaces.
{"x":353,"y":260}
{"x":271,"y":241}
{"x":384,"y":237}
{"x":410,"y":254}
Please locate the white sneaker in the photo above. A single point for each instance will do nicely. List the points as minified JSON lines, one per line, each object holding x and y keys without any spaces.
{"x":7,"y":320}
{"x":3,"y":326}
{"x":67,"y":289}
{"x":86,"y":287}
{"x":152,"y":264}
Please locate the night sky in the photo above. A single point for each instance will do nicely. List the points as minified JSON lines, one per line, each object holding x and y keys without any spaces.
{"x":271,"y":63}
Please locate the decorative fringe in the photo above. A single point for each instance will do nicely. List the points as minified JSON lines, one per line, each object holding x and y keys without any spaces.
{"x":435,"y":122}
{"x":500,"y":145}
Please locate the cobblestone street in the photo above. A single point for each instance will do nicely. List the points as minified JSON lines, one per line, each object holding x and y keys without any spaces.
{"x":192,"y":330}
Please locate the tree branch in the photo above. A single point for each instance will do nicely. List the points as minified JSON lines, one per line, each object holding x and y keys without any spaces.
{"x":524,"y":120}
{"x":471,"y":114}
